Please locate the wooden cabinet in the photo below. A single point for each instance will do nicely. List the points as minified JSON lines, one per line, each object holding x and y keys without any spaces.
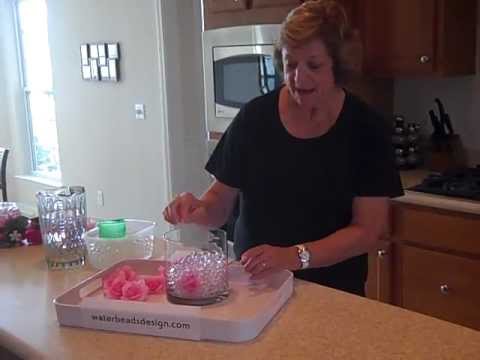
{"x":411,"y":37}
{"x":448,"y":231}
{"x":431,"y":265}
{"x":440,"y":285}
{"x":226,"y":13}
{"x":219,"y":6}
{"x":378,"y":286}
{"x":274,"y":3}
{"x":400,"y":37}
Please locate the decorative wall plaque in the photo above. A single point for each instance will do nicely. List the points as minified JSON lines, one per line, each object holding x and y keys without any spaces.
{"x":100,"y":62}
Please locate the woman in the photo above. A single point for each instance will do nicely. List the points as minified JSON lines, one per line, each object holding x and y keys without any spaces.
{"x":311,"y":162}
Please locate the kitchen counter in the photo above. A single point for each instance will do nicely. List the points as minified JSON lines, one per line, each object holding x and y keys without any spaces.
{"x":414,"y":177}
{"x":317,"y":322}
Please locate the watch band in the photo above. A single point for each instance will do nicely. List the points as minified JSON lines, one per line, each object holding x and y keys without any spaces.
{"x":303,"y":255}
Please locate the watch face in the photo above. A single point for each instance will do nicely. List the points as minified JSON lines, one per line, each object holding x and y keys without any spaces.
{"x":305,"y":255}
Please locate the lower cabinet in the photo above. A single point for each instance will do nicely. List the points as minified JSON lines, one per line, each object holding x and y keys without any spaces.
{"x":379,"y":282}
{"x":430,"y":265}
{"x":441,"y":285}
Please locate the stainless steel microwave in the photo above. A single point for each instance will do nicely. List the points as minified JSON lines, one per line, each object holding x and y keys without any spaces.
{"x":238,"y":66}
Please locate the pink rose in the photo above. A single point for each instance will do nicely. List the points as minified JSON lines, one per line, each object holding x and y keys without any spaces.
{"x":189,"y":283}
{"x":113,"y":285}
{"x":130,"y":274}
{"x":135,"y":290}
{"x":155,"y":283}
{"x":90,"y":223}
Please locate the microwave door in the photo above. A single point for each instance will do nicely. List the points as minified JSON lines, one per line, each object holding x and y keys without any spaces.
{"x":240,"y":74}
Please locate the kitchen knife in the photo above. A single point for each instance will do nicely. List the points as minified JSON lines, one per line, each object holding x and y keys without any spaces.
{"x":444,"y":117}
{"x":438,"y":129}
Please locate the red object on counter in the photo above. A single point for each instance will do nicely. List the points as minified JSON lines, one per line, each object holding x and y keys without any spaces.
{"x":33,"y":233}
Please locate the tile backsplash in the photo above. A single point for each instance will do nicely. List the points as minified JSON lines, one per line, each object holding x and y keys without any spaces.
{"x":414,"y":98}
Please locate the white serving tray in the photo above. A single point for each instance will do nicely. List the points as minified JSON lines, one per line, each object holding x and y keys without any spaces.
{"x":248,"y":309}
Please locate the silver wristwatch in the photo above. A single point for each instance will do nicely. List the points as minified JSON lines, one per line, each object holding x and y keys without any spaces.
{"x":303,"y":255}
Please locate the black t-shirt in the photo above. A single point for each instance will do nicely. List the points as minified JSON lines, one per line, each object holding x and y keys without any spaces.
{"x":298,"y":190}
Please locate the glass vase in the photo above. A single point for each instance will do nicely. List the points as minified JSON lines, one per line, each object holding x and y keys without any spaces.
{"x":196,"y":270}
{"x":62,"y":215}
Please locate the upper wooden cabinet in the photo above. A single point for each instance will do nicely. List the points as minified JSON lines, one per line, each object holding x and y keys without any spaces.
{"x":411,"y":37}
{"x":274,"y":3}
{"x":225,"y":13}
{"x":400,"y":37}
{"x":218,"y":6}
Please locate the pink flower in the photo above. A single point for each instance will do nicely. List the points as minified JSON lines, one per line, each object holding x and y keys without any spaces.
{"x":113,"y":285}
{"x":135,"y":290}
{"x":90,"y":223}
{"x":130,"y":274}
{"x":123,"y":283}
{"x":189,"y":283}
{"x":155,"y":283}
{"x":33,"y":235}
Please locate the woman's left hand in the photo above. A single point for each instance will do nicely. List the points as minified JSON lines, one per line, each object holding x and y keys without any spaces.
{"x":263,"y":260}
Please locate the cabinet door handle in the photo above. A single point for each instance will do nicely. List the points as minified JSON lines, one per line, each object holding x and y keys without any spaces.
{"x":424,"y":59}
{"x":444,"y":289}
{"x":381,"y":253}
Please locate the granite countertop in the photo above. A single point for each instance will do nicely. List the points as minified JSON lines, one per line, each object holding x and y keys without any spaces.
{"x":414,"y":177}
{"x":317,"y":322}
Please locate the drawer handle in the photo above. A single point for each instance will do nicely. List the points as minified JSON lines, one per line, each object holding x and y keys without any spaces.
{"x":444,"y":289}
{"x":381,"y":253}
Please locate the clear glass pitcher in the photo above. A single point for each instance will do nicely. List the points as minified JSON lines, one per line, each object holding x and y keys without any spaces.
{"x":196,"y":265}
{"x":62,"y":215}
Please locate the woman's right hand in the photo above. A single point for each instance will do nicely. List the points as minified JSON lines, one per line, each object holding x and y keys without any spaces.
{"x":182,"y":209}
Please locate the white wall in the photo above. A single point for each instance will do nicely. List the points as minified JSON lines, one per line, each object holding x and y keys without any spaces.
{"x":461,"y":97}
{"x":182,"y":25}
{"x":102,"y":146}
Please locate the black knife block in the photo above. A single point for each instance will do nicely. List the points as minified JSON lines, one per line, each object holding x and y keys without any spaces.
{"x":445,"y":152}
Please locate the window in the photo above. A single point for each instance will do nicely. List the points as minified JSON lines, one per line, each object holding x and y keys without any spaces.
{"x":36,"y":74}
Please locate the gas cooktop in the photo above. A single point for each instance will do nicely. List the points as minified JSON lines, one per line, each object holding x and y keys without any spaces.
{"x":462,"y":183}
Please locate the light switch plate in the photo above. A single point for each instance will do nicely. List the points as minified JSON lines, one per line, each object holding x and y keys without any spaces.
{"x":100,"y":199}
{"x":139,"y":111}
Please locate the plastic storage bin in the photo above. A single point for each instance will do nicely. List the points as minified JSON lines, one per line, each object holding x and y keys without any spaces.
{"x":136,"y":244}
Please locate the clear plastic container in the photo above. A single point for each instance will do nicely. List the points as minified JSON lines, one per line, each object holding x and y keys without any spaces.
{"x":136,"y":244}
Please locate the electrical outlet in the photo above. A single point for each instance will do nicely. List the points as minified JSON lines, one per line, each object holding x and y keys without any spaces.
{"x":139,"y":111}
{"x":100,"y":201}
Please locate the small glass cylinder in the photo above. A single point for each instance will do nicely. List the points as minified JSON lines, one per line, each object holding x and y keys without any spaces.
{"x":196,"y":270}
{"x":62,"y":215}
